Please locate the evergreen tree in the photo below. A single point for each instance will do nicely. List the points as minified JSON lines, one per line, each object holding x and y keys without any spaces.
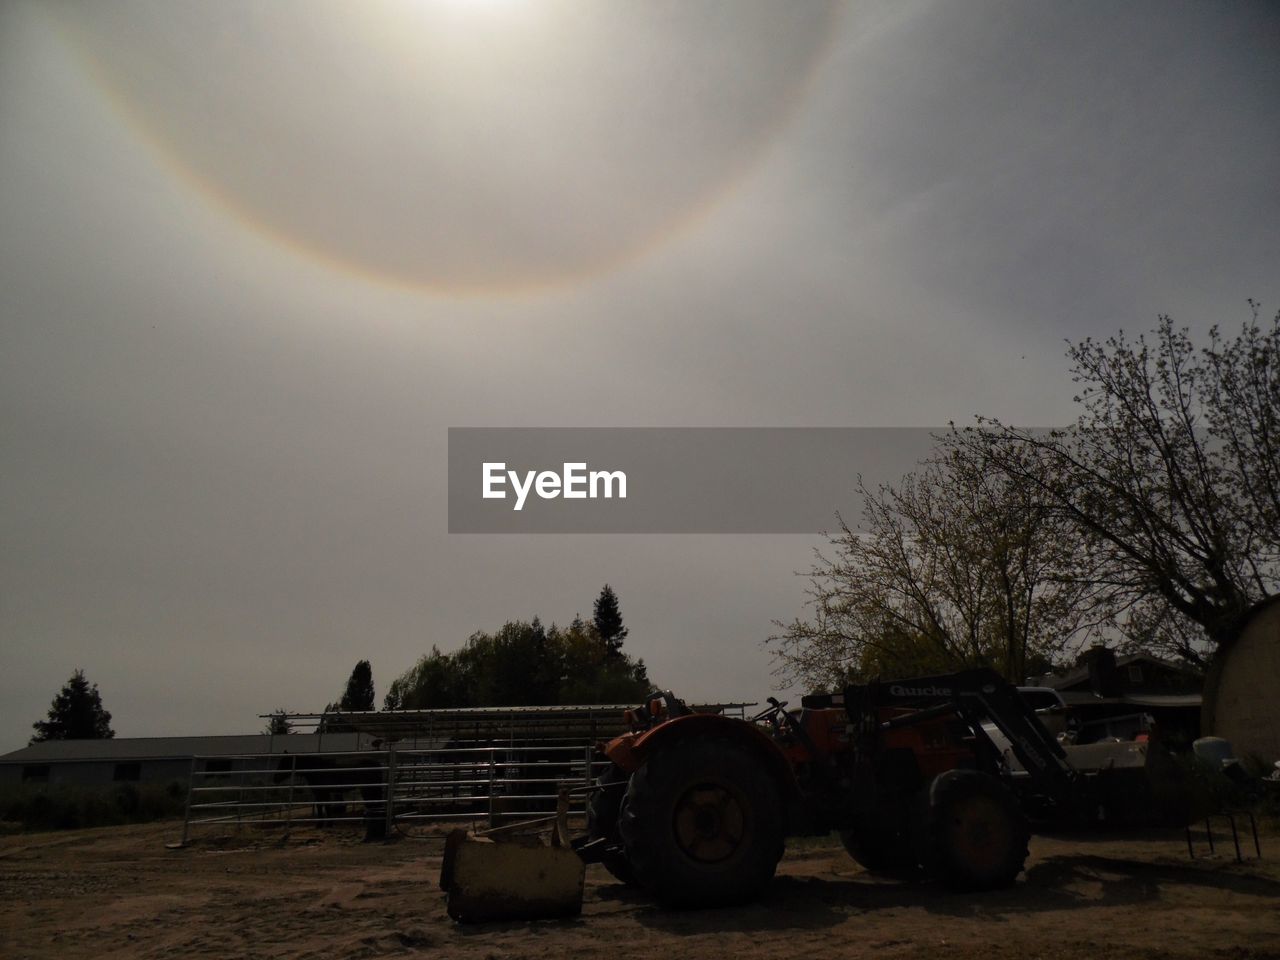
{"x":608,"y":621}
{"x":75,"y":714}
{"x":359,"y":693}
{"x":278,"y":724}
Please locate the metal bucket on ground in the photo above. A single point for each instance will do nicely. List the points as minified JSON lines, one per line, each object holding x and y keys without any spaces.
{"x":509,"y":874}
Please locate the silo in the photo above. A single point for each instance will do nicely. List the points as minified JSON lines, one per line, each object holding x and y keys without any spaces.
{"x":1242,"y":691}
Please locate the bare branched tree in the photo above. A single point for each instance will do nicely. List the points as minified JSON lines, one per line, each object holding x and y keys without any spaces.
{"x":1168,"y":478}
{"x":1153,"y":626}
{"x":955,"y":566}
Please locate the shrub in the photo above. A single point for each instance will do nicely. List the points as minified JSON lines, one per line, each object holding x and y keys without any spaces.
{"x":43,"y":806}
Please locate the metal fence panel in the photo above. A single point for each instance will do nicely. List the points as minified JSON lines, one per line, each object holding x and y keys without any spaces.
{"x":395,"y":788}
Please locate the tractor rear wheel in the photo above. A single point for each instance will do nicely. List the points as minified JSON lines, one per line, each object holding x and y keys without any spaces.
{"x":702,"y":823}
{"x":976,"y":832}
{"x":603,"y":807}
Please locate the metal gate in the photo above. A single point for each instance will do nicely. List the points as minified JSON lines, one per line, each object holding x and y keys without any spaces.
{"x":394,"y":788}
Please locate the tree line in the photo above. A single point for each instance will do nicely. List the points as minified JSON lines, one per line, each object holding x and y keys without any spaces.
{"x":527,"y":663}
{"x":520,"y":664}
{"x":1151,"y":522}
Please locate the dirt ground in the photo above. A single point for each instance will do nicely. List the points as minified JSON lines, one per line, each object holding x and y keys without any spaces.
{"x":118,"y":892}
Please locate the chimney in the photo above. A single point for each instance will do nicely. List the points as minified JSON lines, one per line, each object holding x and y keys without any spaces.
{"x":1104,"y":677}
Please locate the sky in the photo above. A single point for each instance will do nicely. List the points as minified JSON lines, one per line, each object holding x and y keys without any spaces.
{"x":256,"y":259}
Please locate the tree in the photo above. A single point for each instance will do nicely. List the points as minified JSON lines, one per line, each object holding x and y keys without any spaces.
{"x":278,"y":724}
{"x":75,"y":714}
{"x":517,"y":665}
{"x":359,"y":694}
{"x":1169,"y":478}
{"x":954,"y":567}
{"x":591,"y":673}
{"x":522,"y":664}
{"x":434,"y":682}
{"x":608,"y":621}
{"x":1153,"y":626}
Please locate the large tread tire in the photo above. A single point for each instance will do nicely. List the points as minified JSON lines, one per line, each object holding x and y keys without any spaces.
{"x":976,"y":833}
{"x":703,"y":823}
{"x":603,"y":807}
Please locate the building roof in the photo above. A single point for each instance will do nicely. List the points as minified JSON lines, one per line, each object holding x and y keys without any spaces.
{"x":572,"y":710}
{"x":398,"y":724}
{"x":575,"y":721}
{"x":183,"y":748}
{"x":1080,"y":674}
{"x":1077,"y":698}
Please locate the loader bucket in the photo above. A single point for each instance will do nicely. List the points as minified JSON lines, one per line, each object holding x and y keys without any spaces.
{"x":505,"y":874}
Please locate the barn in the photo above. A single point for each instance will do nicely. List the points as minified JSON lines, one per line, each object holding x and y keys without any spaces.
{"x":154,"y":759}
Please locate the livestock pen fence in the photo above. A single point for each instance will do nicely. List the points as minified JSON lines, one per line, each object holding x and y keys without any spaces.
{"x":486,"y":767}
{"x":400,"y":786}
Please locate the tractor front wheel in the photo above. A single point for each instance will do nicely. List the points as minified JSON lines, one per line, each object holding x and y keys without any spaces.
{"x":976,"y":832}
{"x":702,"y":823}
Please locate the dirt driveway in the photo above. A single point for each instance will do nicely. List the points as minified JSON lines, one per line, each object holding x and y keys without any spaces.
{"x":118,"y":892}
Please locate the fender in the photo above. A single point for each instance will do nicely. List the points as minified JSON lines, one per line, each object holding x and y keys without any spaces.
{"x":630,"y":751}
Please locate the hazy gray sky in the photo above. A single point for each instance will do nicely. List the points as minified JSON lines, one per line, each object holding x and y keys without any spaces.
{"x":255,"y":259}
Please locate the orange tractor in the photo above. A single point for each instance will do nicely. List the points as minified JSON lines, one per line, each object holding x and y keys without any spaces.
{"x":695,"y":807}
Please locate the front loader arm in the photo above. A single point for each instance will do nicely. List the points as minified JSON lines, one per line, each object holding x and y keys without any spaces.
{"x":976,"y":695}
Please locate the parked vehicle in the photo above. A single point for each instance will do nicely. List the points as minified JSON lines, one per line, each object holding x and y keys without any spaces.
{"x":695,"y":808}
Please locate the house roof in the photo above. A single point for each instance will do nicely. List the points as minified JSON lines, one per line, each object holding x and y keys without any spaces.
{"x":183,"y":748}
{"x":1080,"y":673}
{"x":1077,"y":698}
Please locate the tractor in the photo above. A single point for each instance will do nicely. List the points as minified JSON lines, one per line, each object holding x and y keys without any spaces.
{"x":695,"y":807}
